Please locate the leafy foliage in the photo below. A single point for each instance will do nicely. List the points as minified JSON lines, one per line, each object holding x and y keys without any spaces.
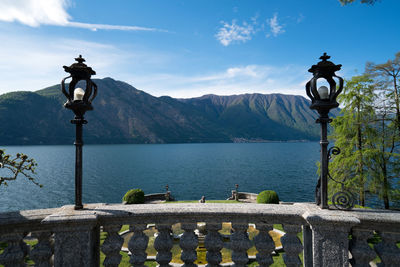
{"x":18,"y":164}
{"x":268,"y":197}
{"x":134,"y":196}
{"x":368,"y":133}
{"x":385,"y":167}
{"x":353,"y":132}
{"x":387,"y":172}
{"x":387,"y":77}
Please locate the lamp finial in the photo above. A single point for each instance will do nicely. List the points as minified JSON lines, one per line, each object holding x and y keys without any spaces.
{"x":80,"y":59}
{"x":325,"y":57}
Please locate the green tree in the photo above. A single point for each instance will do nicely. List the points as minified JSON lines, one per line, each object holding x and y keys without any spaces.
{"x":387,"y":77}
{"x":20,"y":164}
{"x":353,"y":135}
{"x":385,"y":167}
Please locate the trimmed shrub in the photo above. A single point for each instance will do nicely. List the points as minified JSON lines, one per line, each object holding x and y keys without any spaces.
{"x":134,"y":196}
{"x":268,"y":197}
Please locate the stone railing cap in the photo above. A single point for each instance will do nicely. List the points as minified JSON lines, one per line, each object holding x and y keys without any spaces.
{"x":331,"y":218}
{"x":67,"y":214}
{"x":25,"y":216}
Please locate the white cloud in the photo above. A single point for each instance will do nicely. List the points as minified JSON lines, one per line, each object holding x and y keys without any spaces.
{"x":275,"y":27}
{"x":255,"y":18}
{"x":39,"y":64}
{"x":51,"y":12}
{"x":264,"y":79}
{"x":247,"y":71}
{"x":34,"y":12}
{"x":95,"y":27}
{"x":233,"y":32}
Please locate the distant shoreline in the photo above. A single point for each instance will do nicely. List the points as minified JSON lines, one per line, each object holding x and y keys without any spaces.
{"x":234,"y":141}
{"x":244,"y":140}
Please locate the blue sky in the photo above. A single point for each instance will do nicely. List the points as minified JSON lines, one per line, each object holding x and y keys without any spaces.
{"x":191,"y":48}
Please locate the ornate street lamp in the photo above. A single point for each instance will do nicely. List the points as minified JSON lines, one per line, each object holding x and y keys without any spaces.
{"x":323,"y":99}
{"x":79,"y":101}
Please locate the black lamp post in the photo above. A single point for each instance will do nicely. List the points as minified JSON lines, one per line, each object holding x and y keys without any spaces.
{"x":323,"y":100}
{"x":79,"y":101}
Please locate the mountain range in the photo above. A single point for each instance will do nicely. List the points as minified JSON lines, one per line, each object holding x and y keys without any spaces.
{"x":124,"y":114}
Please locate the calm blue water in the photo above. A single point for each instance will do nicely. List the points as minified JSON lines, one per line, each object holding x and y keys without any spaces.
{"x":191,"y":170}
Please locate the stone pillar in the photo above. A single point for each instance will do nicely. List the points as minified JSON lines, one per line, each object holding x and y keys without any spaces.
{"x":77,"y":246}
{"x":76,"y":237}
{"x":330,"y":237}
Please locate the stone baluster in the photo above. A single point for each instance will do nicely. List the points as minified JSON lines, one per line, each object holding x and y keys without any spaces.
{"x":112,"y":246}
{"x":16,"y":250}
{"x":188,"y":243}
{"x":213,"y":243}
{"x":291,"y":245}
{"x":163,"y":244}
{"x":361,"y":252}
{"x":240,"y":243}
{"x":387,"y":249}
{"x":43,"y":251}
{"x":264,"y":244}
{"x":137,"y":245}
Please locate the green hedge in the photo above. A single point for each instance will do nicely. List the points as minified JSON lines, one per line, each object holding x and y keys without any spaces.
{"x":268,"y":197}
{"x":134,"y":196}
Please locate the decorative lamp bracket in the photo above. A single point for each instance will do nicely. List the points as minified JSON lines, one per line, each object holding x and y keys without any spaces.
{"x":344,"y":199}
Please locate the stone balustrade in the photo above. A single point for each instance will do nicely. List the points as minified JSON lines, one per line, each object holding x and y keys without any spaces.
{"x":72,"y":238}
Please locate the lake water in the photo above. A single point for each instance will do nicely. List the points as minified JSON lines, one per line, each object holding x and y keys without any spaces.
{"x":190,"y":170}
